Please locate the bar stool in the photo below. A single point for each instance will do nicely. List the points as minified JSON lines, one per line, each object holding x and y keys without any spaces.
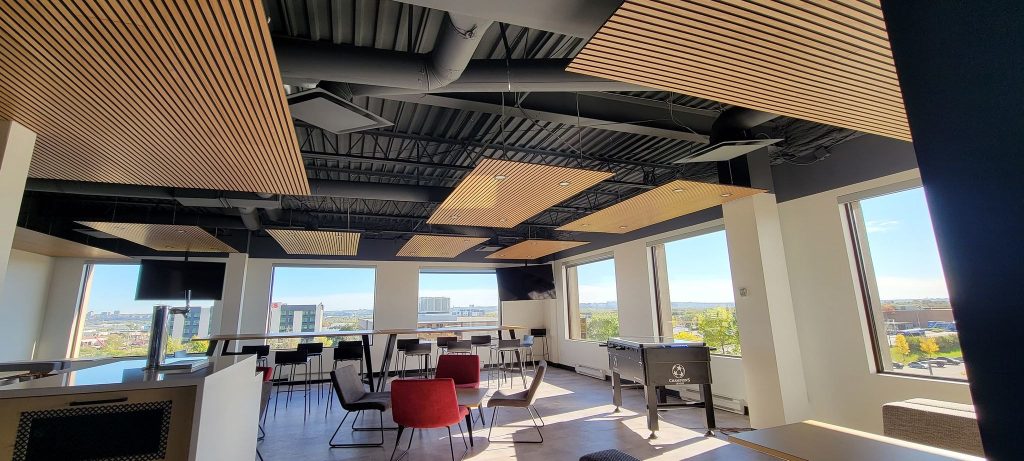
{"x":398,"y":365}
{"x":484,"y":341}
{"x":293,"y":359}
{"x":315,"y":350}
{"x":510,"y":347}
{"x":541,"y":334}
{"x":442,"y":342}
{"x":345,"y":351}
{"x":528,"y":341}
{"x":460,"y":347}
{"x":261,"y":353}
{"x":422,"y":351}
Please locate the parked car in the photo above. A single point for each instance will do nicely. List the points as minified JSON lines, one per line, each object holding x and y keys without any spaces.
{"x":897,"y":366}
{"x":935,"y":363}
{"x":949,"y":360}
{"x":918,"y":365}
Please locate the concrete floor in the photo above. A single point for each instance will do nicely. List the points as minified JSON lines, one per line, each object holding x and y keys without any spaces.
{"x":577,"y":411}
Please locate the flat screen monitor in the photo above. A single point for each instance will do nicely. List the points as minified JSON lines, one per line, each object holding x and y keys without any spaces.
{"x":526,"y":282}
{"x":170,"y":280}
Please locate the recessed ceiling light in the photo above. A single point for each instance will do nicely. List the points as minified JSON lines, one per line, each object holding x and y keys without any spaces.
{"x":180,"y":231}
{"x":455,"y":216}
{"x":564,"y":184}
{"x":500,"y":177}
{"x":622,"y":227}
{"x":727,"y":194}
{"x":585,"y":225}
{"x":678,"y":190}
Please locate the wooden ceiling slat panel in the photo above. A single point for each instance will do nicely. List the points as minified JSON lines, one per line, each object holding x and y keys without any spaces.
{"x":438,"y":246}
{"x":669,"y":201}
{"x":48,"y":245}
{"x":163,"y":237}
{"x":172,"y":94}
{"x":481,"y":199}
{"x":827,"y":62}
{"x":533,"y":249}
{"x":303,"y":242}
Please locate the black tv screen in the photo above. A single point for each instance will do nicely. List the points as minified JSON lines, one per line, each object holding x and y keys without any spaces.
{"x":526,"y":283}
{"x":170,"y":280}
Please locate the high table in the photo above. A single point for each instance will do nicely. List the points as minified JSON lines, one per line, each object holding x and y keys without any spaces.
{"x":219,"y":343}
{"x":817,"y":441}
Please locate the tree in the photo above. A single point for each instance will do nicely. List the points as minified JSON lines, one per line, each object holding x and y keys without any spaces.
{"x":900,"y":349}
{"x":602,"y":326}
{"x":686,"y":336}
{"x":929,"y":347}
{"x":719,"y":328}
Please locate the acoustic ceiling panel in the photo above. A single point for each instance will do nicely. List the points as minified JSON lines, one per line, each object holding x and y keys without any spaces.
{"x":819,"y":60}
{"x":500,"y":193}
{"x":178,"y":94}
{"x":671,"y":200}
{"x":164,"y":237}
{"x":438,"y":246}
{"x":45,"y":244}
{"x":303,"y":242}
{"x":533,"y":249}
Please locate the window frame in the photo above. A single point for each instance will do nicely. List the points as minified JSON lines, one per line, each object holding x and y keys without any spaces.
{"x":663,"y":293}
{"x":571,"y":285}
{"x":867,"y":282}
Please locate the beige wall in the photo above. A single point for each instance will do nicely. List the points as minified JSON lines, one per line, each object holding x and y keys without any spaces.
{"x":23,"y":304}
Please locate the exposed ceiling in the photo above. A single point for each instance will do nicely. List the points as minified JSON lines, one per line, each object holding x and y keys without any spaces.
{"x":386,"y":182}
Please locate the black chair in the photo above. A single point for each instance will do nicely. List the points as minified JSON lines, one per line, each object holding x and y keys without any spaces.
{"x":483,"y":341}
{"x":315,"y":350}
{"x":422,"y":351}
{"x":527,"y":344}
{"x":402,"y":346}
{"x":442,"y":343}
{"x":541,"y":334}
{"x":345,"y":351}
{"x":261,"y":352}
{"x":509,"y":353}
{"x":352,"y":397}
{"x":460,"y":347}
{"x":291,"y":359}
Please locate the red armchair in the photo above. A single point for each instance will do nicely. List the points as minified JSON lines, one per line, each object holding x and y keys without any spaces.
{"x":426,"y":404}
{"x":463,"y":369}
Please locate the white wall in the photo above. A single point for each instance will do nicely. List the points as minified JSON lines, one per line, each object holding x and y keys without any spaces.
{"x":23,"y":303}
{"x":842,"y":387}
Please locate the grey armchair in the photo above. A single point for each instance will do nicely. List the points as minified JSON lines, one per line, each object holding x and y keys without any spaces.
{"x":521,"y":399}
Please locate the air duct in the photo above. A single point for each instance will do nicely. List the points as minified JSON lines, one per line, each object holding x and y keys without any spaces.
{"x":313,"y":61}
{"x":730,"y":136}
{"x":378,"y":191}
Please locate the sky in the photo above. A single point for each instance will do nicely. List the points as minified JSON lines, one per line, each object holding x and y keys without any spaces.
{"x":899,"y":230}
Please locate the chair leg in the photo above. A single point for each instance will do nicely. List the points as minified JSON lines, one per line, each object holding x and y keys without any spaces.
{"x":522,"y":370}
{"x":534,"y":410}
{"x":380,"y":429}
{"x":401,"y":429}
{"x":494,"y":422}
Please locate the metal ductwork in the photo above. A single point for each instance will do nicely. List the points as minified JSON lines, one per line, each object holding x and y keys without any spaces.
{"x":378,"y":191}
{"x":97,"y":188}
{"x":313,"y":61}
{"x":734,"y":123}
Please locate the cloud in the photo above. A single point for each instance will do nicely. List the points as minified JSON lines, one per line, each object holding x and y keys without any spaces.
{"x":701,"y":291}
{"x":597,"y":293}
{"x":877,"y":225}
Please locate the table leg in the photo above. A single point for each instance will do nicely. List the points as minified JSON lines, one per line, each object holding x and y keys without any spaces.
{"x":469,"y":426}
{"x":389,"y":350}
{"x":616,"y":390}
{"x":211,"y":349}
{"x":368,"y":359}
{"x":652,"y":409}
{"x":480,"y":410}
{"x":709,"y":409}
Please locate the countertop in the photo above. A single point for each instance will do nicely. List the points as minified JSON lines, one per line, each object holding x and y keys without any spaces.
{"x":121,"y":375}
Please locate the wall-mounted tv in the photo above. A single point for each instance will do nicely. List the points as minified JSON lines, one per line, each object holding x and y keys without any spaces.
{"x":170,"y":280}
{"x":526,"y":282}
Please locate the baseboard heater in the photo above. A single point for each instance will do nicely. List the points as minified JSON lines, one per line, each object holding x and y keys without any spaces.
{"x":591,"y":372}
{"x":721,"y":402}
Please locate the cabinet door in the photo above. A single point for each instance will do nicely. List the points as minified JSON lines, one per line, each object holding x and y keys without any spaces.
{"x":150,"y":424}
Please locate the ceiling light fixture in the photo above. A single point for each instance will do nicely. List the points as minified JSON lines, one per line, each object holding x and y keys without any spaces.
{"x":678,"y":190}
{"x":455,"y":216}
{"x":500,"y":177}
{"x":564,"y":184}
{"x":622,"y":227}
{"x":727,"y":194}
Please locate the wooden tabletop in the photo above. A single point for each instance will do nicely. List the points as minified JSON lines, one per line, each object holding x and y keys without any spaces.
{"x":470,"y":397}
{"x":336,"y":333}
{"x":817,"y":441}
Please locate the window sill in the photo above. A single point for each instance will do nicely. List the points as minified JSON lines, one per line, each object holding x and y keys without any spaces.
{"x":933,"y":379}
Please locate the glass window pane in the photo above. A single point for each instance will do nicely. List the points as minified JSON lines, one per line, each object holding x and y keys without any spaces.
{"x":450,"y":299}
{"x":593,"y":301}
{"x":116,"y":325}
{"x":907,"y":287}
{"x":310,"y":299}
{"x":701,"y":292}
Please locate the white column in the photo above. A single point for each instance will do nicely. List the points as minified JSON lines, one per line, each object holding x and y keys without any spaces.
{"x":61,"y":322}
{"x":16,"y":145}
{"x":231,"y":301}
{"x":772,"y":366}
{"x":634,"y":289}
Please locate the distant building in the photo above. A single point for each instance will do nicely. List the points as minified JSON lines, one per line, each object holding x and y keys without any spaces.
{"x":196,"y":322}
{"x":435,"y":305}
{"x":296,"y":317}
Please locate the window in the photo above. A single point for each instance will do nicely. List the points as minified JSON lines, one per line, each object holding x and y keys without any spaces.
{"x":320,"y":298}
{"x":451,"y":298}
{"x":903,"y":286}
{"x":114,"y":324}
{"x":700,"y":291}
{"x":592,"y":300}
